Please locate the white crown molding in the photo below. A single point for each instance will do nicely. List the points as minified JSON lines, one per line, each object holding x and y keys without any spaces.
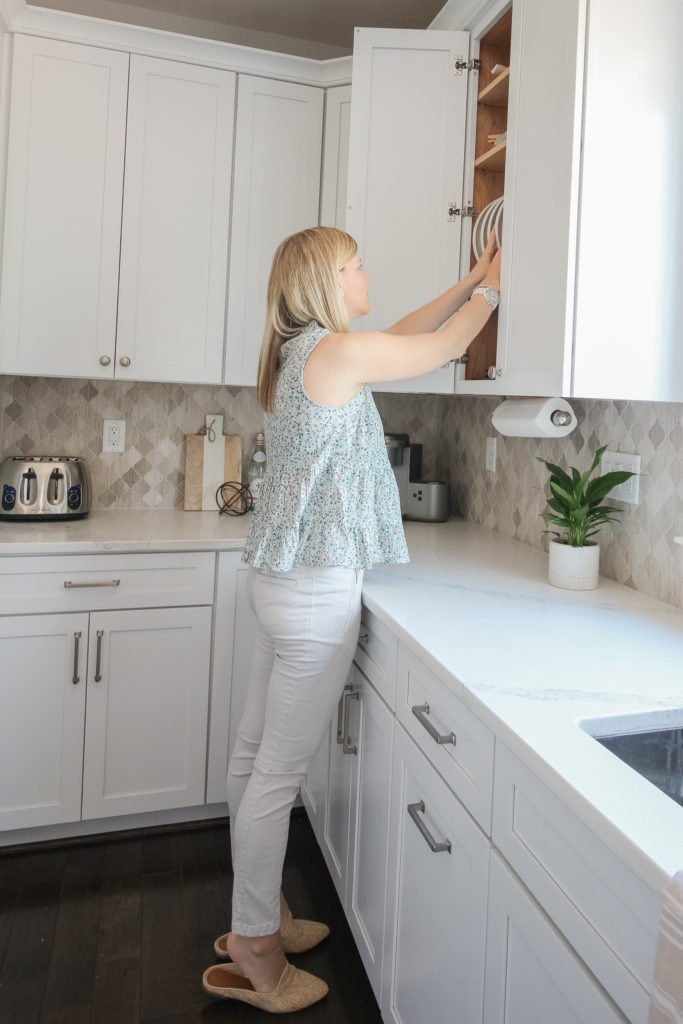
{"x":462,"y":15}
{"x":22,"y":17}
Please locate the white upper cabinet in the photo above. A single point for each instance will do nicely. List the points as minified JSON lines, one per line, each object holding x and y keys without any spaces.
{"x":629,"y":300}
{"x":176,"y":216}
{"x":278,"y":144}
{"x":408,"y":119}
{"x":63,"y":209}
{"x":333,"y":193}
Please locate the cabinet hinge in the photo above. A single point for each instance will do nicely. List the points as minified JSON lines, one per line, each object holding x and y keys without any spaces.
{"x":455,"y":211}
{"x":460,"y":65}
{"x":493,"y":372}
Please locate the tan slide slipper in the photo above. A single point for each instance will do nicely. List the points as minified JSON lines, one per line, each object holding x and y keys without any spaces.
{"x":298,"y":936}
{"x":294,"y":991}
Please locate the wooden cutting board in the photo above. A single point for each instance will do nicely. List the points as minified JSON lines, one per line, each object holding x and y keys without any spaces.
{"x":208,"y":464}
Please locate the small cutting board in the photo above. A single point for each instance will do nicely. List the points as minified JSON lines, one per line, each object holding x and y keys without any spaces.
{"x":208,"y":464}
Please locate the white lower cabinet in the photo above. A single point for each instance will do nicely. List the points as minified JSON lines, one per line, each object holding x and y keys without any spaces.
{"x":370,"y":729}
{"x":145,"y":734}
{"x":314,"y":787}
{"x":531,"y":972}
{"x":42,"y":708}
{"x":436,"y":904}
{"x":335,"y":832}
{"x":133,"y":684}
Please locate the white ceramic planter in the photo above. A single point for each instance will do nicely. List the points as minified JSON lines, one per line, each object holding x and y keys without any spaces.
{"x":573,"y":568}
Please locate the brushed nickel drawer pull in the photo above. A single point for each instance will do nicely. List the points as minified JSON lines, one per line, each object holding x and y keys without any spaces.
{"x":347,"y":746}
{"x":340,"y":715}
{"x":414,"y":810}
{"x":421,"y":711}
{"x":68,"y":585}
{"x":77,"y":644}
{"x":98,"y":663}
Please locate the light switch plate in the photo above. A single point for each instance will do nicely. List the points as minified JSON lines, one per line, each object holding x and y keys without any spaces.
{"x":611,"y":462}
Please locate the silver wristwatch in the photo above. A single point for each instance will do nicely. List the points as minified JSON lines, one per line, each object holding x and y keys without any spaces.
{"x":491,"y":296}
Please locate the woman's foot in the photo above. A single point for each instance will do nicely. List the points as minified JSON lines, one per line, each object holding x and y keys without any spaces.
{"x":260,"y":957}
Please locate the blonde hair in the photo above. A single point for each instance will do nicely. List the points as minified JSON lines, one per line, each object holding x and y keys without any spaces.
{"x":303,"y":286}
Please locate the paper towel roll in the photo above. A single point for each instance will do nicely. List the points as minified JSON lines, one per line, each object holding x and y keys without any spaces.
{"x":534,"y":417}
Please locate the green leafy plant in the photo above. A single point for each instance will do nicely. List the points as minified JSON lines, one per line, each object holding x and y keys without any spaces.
{"x":576,"y":502}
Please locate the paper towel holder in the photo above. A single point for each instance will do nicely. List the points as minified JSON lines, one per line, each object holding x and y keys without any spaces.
{"x":534,"y":417}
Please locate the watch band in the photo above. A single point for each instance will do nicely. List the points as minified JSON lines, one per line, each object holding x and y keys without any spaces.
{"x":490,"y":295}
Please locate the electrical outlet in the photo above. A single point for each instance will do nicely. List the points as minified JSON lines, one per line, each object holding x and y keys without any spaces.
{"x":114,"y":436}
{"x":491,"y":453}
{"x":611,"y":462}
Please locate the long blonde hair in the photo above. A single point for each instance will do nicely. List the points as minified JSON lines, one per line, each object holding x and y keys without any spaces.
{"x":303,"y":286}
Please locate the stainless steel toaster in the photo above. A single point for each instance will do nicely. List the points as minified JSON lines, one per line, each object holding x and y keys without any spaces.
{"x":44,"y":487}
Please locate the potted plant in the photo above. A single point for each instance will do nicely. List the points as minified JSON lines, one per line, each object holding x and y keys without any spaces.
{"x":576,"y":507}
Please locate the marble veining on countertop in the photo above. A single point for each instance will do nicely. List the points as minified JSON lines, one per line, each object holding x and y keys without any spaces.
{"x":126,"y":531}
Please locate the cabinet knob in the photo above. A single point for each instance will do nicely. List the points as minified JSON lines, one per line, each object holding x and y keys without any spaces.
{"x":125,"y":360}
{"x":105,"y":360}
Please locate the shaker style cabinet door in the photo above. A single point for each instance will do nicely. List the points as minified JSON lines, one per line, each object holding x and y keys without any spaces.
{"x":531,"y":972}
{"x":63,"y":209}
{"x":371,"y":729}
{"x":42,"y":707}
{"x":406,"y":161}
{"x":333,"y":194}
{"x":146,"y":719}
{"x":176,"y":215}
{"x":278,"y":142}
{"x":436,"y":899}
{"x":629,"y":300}
{"x":335,"y":831}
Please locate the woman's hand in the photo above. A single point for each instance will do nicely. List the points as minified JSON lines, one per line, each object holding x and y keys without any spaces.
{"x":492,"y":277}
{"x":482,"y":267}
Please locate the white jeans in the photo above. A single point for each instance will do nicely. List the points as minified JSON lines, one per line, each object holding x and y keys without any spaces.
{"x":307,"y":629}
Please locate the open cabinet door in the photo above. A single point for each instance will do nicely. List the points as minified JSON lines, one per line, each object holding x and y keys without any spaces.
{"x":406,"y":159}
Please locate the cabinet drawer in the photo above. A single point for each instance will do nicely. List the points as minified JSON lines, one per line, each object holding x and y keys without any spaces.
{"x":376,"y":655}
{"x":427,"y":709}
{"x":63,"y":583}
{"x":603,"y":909}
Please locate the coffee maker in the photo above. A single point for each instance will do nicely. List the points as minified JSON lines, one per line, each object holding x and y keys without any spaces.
{"x":424,"y":500}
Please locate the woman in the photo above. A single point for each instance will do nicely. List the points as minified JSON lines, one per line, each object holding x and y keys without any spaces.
{"x":328,"y":509}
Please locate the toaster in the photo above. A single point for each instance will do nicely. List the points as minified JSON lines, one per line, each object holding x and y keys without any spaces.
{"x":44,"y":487}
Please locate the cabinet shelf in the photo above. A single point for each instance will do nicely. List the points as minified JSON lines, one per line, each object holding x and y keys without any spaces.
{"x":493,"y":159}
{"x":495,"y":94}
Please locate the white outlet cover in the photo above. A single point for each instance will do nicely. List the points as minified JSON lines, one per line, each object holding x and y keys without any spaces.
{"x":612,"y":462}
{"x":114,"y":436}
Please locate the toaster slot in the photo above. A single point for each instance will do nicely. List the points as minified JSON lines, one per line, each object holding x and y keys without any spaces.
{"x":28,"y":489}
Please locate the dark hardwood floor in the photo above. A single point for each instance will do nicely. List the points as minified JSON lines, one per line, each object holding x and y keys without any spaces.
{"x":120,"y":930}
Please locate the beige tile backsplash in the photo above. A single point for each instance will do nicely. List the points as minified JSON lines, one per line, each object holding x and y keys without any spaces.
{"x":40,"y":415}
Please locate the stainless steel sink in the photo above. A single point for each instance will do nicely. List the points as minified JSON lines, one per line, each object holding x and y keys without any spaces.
{"x":651,"y":743}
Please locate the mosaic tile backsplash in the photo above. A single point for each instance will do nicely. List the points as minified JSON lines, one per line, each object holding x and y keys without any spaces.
{"x":40,"y":415}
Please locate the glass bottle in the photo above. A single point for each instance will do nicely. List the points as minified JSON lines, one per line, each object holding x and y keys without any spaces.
{"x":257,"y":468}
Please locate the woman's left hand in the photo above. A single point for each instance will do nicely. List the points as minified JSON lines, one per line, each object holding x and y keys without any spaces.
{"x":482,"y":267}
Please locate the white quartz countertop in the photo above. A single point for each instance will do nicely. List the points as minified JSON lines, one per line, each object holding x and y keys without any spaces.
{"x":126,"y":531}
{"x":530,"y":660}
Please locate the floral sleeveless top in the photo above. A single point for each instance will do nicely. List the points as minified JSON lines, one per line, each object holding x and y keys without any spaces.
{"x":329,"y":495}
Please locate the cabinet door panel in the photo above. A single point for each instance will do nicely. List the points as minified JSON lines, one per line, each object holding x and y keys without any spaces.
{"x":436,"y":901}
{"x":333,"y":196}
{"x":176,"y":214}
{"x":145,"y":737}
{"x":278,"y":142}
{"x":41,"y":718}
{"x":531,"y":973}
{"x":629,"y":304}
{"x":408,"y":115}
{"x":541,"y":197}
{"x":335,"y":844}
{"x":371,"y":728}
{"x":63,"y":208}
